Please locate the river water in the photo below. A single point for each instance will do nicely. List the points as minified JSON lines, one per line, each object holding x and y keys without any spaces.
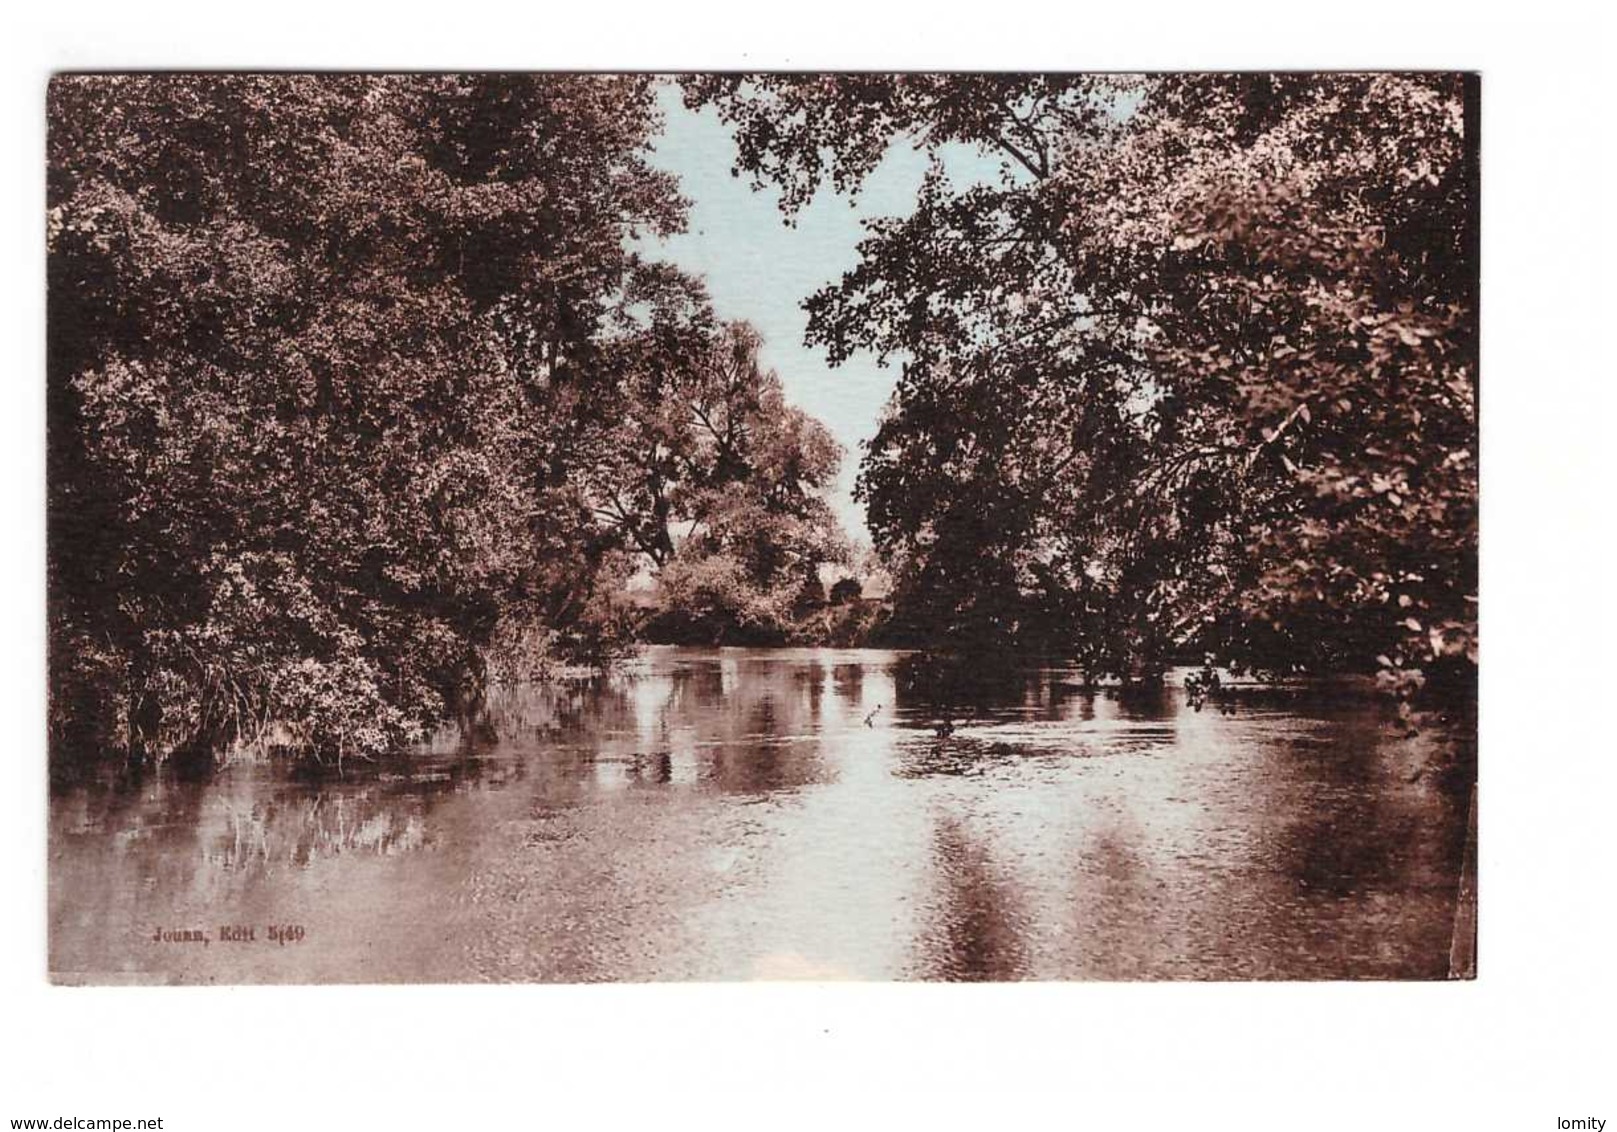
{"x":738,"y":814}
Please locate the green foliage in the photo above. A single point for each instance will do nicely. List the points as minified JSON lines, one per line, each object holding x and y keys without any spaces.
{"x":1199,"y":371}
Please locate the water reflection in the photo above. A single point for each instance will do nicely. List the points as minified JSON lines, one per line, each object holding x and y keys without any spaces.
{"x":719,"y":814}
{"x":978,"y":923}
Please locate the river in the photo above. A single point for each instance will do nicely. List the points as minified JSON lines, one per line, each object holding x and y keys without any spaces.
{"x":739,"y":814}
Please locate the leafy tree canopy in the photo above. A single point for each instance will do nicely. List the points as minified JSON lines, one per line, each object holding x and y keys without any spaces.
{"x":1197,"y":372}
{"x":344,"y":372}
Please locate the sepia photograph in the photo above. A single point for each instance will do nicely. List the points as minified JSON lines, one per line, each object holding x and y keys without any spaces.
{"x":655,"y":527}
{"x":868,"y":566}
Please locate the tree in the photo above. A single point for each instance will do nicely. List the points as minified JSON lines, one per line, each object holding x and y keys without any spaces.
{"x":1198,"y":371}
{"x":719,"y":482}
{"x":319,"y":353}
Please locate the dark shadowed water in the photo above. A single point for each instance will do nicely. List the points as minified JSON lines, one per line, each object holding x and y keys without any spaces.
{"x":729,"y":814}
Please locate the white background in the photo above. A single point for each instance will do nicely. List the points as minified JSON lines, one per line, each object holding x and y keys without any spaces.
{"x":1517,"y":1049}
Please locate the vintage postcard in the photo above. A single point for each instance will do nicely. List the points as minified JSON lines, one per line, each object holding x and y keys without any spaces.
{"x":636,"y":527}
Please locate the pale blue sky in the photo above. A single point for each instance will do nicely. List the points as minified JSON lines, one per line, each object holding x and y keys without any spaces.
{"x":760,"y":270}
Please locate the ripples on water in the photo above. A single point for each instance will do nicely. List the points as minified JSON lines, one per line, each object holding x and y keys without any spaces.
{"x":722,"y":814}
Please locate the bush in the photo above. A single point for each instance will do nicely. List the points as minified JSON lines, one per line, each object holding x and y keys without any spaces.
{"x":846,"y":590}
